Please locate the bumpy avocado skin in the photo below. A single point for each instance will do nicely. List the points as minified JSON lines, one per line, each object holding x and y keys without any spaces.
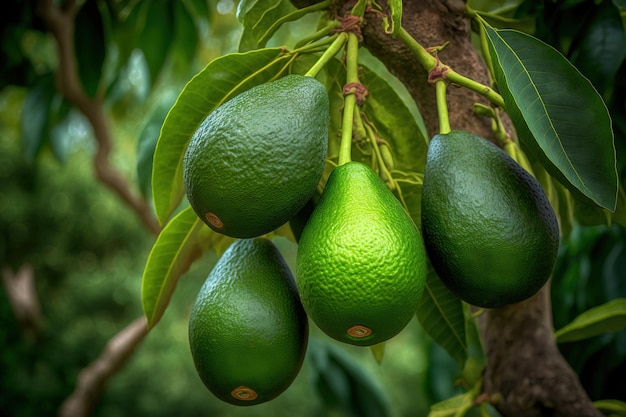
{"x":490,"y":232}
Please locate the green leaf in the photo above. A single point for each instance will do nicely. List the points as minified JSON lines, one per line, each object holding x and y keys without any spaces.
{"x":179,"y":244}
{"x":185,"y":39}
{"x":611,"y":408}
{"x":602,"y":48}
{"x":155,"y":24}
{"x":396,"y":16}
{"x":90,"y":41}
{"x":557,"y":114}
{"x":258,"y":18}
{"x":147,"y":141}
{"x":36,"y":116}
{"x":220,"y":80}
{"x":395,"y":120}
{"x":441,"y":315}
{"x":451,"y":406}
{"x":606,"y":318}
{"x":342,"y":383}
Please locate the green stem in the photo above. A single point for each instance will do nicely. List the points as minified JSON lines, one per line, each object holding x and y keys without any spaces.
{"x":319,"y":34}
{"x":429,"y":62}
{"x":290,"y":18}
{"x":423,"y":56}
{"x":485,"y":91}
{"x":349,"y":102}
{"x":442,"y":106}
{"x":332,"y":50}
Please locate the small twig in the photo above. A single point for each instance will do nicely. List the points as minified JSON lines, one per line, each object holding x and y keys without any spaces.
{"x":60,"y":22}
{"x":92,"y":379}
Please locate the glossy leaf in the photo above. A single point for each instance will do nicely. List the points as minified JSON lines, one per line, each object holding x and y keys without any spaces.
{"x":607,"y":318}
{"x":441,"y":315}
{"x":179,"y":244}
{"x":35,"y":116}
{"x":90,"y":43}
{"x":557,"y":114}
{"x":220,"y":80}
{"x":258,"y":18}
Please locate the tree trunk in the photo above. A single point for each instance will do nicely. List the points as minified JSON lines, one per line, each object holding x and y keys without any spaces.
{"x":525,"y":374}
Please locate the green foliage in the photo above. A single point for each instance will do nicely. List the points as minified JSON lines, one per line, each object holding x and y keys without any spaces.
{"x":179,"y":244}
{"x":219,"y":80}
{"x":550,"y":124}
{"x":441,"y":315}
{"x":85,"y":248}
{"x":607,"y":318}
{"x":90,"y":43}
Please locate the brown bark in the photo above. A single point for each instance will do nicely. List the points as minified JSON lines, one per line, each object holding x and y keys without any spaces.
{"x":92,"y":379}
{"x":525,"y":374}
{"x":60,"y":23}
{"x":22,"y":294}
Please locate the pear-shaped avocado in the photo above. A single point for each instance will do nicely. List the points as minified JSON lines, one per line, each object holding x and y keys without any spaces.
{"x":489,"y":229}
{"x":248,"y":331}
{"x":361,"y":262}
{"x":256,"y":160}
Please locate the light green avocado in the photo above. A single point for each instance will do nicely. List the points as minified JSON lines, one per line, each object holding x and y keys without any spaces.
{"x":361,"y":262}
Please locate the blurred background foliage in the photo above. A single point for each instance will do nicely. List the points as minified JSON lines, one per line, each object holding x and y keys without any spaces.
{"x":87,"y":249}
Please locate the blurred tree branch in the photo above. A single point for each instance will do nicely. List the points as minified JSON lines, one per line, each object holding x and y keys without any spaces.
{"x":60,"y":23}
{"x":22,"y":295}
{"x":59,"y":20}
{"x":91,"y":380}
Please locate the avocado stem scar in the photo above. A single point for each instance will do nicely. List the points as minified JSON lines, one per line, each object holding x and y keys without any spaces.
{"x":214,"y":220}
{"x":244,"y":393}
{"x":359,"y":331}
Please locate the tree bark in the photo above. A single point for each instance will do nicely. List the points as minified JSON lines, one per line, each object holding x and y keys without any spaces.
{"x":525,"y":374}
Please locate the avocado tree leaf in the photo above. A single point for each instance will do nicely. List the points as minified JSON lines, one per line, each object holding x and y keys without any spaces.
{"x":607,"y":318}
{"x":395,"y":7}
{"x":602,"y":47}
{"x":613,"y":408}
{"x":154,"y":28}
{"x":180,"y":243}
{"x":453,"y":406}
{"x":441,"y":315}
{"x":342,"y":383}
{"x":396,"y":118}
{"x":258,"y":18}
{"x":185,"y":39}
{"x":90,"y":43}
{"x":147,"y":141}
{"x":36,"y":116}
{"x":220,"y":80}
{"x":557,"y":113}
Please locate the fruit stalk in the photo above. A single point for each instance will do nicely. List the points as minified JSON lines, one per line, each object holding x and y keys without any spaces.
{"x":442,"y":106}
{"x":328,"y":55}
{"x":352,"y":77}
{"x":429,"y":62}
